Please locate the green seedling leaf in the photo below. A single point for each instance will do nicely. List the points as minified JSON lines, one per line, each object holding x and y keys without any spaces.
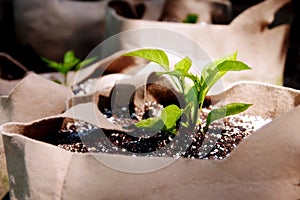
{"x":179,"y":73}
{"x":221,"y":69}
{"x":211,"y":76}
{"x":153,"y":123}
{"x":184,"y":64}
{"x":229,"y":109}
{"x":166,"y":121}
{"x":211,"y":66}
{"x":68,"y":66}
{"x":194,"y":94}
{"x":70,"y":62}
{"x":191,"y":19}
{"x":170,"y":115}
{"x":232,"y":65}
{"x":154,"y":55}
{"x":191,"y":96}
{"x":69,"y":56}
{"x":84,"y":63}
{"x":51,"y":63}
{"x":191,"y":113}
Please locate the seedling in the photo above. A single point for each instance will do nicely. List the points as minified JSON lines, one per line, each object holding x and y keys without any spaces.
{"x":70,"y":62}
{"x":191,"y":19}
{"x":194,"y":94}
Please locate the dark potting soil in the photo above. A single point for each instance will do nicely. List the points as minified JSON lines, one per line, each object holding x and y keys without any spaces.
{"x":221,"y":138}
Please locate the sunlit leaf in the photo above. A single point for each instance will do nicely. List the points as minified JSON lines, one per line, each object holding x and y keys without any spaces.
{"x":69,"y":56}
{"x":212,"y":65}
{"x":51,"y":63}
{"x":84,"y":63}
{"x":170,"y":115}
{"x":153,"y":123}
{"x":184,"y":64}
{"x":154,"y":55}
{"x":229,"y":109}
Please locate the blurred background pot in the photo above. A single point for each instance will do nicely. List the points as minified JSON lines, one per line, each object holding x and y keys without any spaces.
{"x":252,"y":33}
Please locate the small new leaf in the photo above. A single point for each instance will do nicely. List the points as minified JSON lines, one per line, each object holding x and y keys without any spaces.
{"x":154,"y":55}
{"x":166,"y":121}
{"x":221,"y":69}
{"x":70,"y":62}
{"x":69,"y":56}
{"x":212,"y":65}
{"x":229,"y":109}
{"x":84,"y":63}
{"x":170,"y":115}
{"x":153,"y":123}
{"x":184,"y":64}
{"x":51,"y":63}
{"x":179,"y":73}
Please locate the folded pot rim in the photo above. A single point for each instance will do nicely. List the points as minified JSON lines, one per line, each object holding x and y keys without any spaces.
{"x":23,"y":125}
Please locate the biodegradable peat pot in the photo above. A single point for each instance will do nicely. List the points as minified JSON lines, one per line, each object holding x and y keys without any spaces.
{"x":32,"y":98}
{"x":37,"y":23}
{"x":28,"y":99}
{"x":264,"y":166}
{"x":249,"y":33}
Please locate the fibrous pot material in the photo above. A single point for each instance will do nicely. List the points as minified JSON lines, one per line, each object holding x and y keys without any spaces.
{"x":264,"y":166}
{"x":32,"y":98}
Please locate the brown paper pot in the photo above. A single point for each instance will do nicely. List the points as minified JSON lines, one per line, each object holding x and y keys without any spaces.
{"x":34,"y":97}
{"x":264,"y":166}
{"x":78,"y":29}
{"x":43,"y":20}
{"x":30,"y":98}
{"x":249,"y":33}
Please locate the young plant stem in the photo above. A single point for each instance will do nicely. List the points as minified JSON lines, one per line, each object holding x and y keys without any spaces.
{"x":210,"y":74}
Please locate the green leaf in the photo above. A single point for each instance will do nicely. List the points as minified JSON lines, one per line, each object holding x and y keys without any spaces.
{"x":184,"y":64}
{"x":194,"y":94}
{"x":222,"y":69}
{"x":166,"y":121}
{"x":232,"y":65}
{"x":154,"y":55}
{"x":70,"y":65}
{"x":213,"y":75}
{"x":179,"y":73}
{"x":211,"y":66}
{"x":70,"y":62}
{"x":191,"y":113}
{"x":153,"y":123}
{"x":191,"y":18}
{"x":69,"y":56}
{"x":229,"y":109}
{"x":170,"y":115}
{"x":51,"y":63}
{"x":191,"y":95}
{"x":84,"y":63}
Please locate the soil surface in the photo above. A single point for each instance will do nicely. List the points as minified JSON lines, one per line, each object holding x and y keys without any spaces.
{"x":221,"y":138}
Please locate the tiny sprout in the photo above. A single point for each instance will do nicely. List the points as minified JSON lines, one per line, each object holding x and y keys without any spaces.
{"x":70,"y":62}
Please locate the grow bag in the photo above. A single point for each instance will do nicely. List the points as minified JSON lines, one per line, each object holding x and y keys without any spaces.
{"x":252,"y":33}
{"x":28,"y":99}
{"x":53,"y":27}
{"x":264,"y":166}
{"x":32,"y":98}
